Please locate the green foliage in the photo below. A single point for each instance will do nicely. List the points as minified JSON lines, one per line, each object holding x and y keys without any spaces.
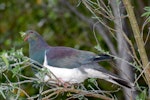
{"x":4,"y":58}
{"x":9,"y":57}
{"x":47,"y":17}
{"x":142,"y":95}
{"x":14,"y":82}
{"x":10,"y":62}
{"x":22,"y":34}
{"x":147,"y":13}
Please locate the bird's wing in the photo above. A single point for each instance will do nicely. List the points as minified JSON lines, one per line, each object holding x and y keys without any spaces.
{"x":65,"y":57}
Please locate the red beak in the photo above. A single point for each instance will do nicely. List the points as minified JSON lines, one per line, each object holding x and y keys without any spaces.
{"x":26,"y":38}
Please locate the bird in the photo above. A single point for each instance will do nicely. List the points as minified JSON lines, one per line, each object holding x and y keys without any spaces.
{"x":68,"y":64}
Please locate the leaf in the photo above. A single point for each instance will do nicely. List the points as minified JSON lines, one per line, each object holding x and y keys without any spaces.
{"x":147,"y":12}
{"x":2,"y":94}
{"x":98,"y":47}
{"x":22,"y":34}
{"x":142,"y":95}
{"x":69,"y":94}
{"x":4,"y":58}
{"x":16,"y":70}
{"x":147,"y":9}
{"x":92,"y":80}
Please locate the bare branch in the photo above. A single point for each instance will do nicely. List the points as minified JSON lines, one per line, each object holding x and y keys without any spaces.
{"x":98,"y":27}
{"x":77,"y":91}
{"x":126,"y":71}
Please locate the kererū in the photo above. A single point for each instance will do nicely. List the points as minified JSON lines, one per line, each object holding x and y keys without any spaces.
{"x":69,"y":64}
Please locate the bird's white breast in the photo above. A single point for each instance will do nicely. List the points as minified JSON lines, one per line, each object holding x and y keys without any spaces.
{"x":73,"y":75}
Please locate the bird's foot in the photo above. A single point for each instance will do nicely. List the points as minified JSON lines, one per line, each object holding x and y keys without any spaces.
{"x":66,"y":84}
{"x":63,"y":83}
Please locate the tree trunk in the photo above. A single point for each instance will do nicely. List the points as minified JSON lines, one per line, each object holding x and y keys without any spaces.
{"x":125,"y":70}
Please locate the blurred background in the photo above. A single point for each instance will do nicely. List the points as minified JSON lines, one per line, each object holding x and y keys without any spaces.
{"x":51,"y":18}
{"x":63,"y":23}
{"x":55,"y":21}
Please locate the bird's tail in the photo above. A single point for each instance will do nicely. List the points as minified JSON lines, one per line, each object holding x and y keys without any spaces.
{"x":120,"y":82}
{"x":103,"y":74}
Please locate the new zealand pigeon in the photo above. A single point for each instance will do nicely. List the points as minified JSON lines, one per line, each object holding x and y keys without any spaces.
{"x":69,"y":64}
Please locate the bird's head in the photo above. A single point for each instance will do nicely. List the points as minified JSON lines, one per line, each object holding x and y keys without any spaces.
{"x":30,"y":35}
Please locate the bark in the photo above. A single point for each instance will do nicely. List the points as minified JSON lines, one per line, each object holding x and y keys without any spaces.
{"x":125,"y":70}
{"x":139,"y":41}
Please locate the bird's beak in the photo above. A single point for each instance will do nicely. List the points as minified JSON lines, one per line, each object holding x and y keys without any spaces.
{"x":24,"y":35}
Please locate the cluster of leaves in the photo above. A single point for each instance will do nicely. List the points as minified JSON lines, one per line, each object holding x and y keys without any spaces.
{"x":10,"y":67}
{"x":147,"y":13}
{"x":14,"y":81}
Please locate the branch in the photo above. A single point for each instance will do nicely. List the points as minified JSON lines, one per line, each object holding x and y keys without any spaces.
{"x":139,"y":40}
{"x":98,"y":27}
{"x":77,"y":91}
{"x":125,"y":69}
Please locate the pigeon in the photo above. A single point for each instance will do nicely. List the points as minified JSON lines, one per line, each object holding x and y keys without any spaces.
{"x":68,"y":64}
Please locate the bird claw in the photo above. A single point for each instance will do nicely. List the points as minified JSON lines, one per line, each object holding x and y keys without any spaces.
{"x":66,"y":84}
{"x":62,"y":83}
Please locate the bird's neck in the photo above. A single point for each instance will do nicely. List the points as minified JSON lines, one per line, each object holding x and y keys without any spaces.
{"x":38,"y":44}
{"x":37,"y":50}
